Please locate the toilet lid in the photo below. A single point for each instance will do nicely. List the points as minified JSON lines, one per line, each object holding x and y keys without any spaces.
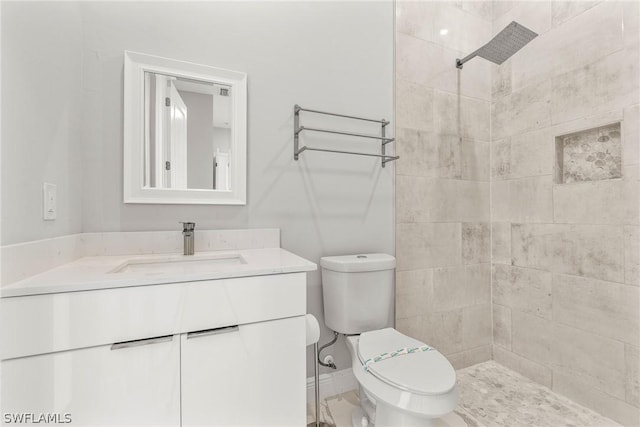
{"x":422,"y":372}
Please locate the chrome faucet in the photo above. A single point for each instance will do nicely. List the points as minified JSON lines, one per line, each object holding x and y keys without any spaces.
{"x":188,"y":231}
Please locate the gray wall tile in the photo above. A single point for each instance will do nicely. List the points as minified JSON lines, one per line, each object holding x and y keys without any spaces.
{"x":475,"y":164}
{"x":585,"y":250}
{"x":596,"y":88}
{"x":414,"y":293}
{"x":524,"y":155}
{"x":443,"y":330}
{"x":569,"y":46}
{"x":430,"y":64}
{"x":411,"y":326}
{"x":481,"y":8}
{"x":501,"y":242}
{"x":614,"y":201}
{"x":426,"y":154}
{"x":523,"y":289}
{"x":442,"y":177}
{"x":562,"y":11}
{"x":459,"y":287}
{"x":441,"y":200}
{"x":476,"y":242}
{"x":522,"y":200}
{"x":476,"y":326}
{"x":631,"y":135}
{"x":532,"y":14}
{"x":604,"y":308}
{"x":501,"y":79}
{"x":430,"y":155}
{"x":412,"y":17}
{"x":414,"y":106}
{"x":532,"y":370}
{"x":591,"y":356}
{"x":632,"y":255}
{"x":582,"y":390}
{"x":462,"y":116}
{"x":470,"y":357}
{"x":523,"y":110}
{"x":502,"y":326}
{"x":427,"y":245}
{"x":500,"y":7}
{"x":631,"y":22}
{"x":632,"y":363}
{"x":532,"y":337}
{"x":581,"y":72}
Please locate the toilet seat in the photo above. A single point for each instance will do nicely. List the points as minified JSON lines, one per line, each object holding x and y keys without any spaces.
{"x":422,"y":372}
{"x":391,"y":398}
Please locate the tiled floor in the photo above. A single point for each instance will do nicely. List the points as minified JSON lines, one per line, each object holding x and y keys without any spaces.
{"x":490,"y":395}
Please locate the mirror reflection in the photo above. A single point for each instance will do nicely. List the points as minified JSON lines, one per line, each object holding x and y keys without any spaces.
{"x":187,"y":133}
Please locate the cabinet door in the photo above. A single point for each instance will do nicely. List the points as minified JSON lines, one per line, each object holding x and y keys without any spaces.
{"x":127,"y":384}
{"x":245,"y":375}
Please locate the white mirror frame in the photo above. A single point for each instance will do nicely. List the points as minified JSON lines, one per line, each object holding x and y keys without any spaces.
{"x":135,"y":65}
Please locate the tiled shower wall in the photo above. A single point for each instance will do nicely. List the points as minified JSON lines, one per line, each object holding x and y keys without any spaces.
{"x":566,"y":295}
{"x":442,"y":178}
{"x":556,"y":277}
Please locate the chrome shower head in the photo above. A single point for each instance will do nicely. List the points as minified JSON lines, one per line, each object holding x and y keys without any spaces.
{"x":503,"y":45}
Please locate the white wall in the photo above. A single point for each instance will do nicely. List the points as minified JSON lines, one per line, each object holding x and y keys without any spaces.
{"x":335,"y":56}
{"x":41,"y":117}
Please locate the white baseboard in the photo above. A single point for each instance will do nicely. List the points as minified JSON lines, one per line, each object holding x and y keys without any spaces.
{"x":332,"y":384}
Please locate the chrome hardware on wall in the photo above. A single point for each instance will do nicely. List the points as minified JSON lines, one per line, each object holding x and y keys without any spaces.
{"x":298,"y":129}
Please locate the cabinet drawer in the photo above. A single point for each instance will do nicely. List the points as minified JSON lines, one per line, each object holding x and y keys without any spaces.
{"x":122,"y":385}
{"x":40,"y":324}
{"x":252,"y":375}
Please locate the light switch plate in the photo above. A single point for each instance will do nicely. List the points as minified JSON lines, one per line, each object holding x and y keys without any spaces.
{"x":49,"y":202}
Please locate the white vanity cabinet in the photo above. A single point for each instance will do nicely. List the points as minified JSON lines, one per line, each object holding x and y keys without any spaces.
{"x":212,"y":352}
{"x":125,"y":384}
{"x":247,"y":375}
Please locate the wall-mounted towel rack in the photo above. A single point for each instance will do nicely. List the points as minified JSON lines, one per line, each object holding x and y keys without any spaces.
{"x":382,"y":138}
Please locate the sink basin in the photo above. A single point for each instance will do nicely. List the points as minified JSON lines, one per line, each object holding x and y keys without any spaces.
{"x":179,"y":264}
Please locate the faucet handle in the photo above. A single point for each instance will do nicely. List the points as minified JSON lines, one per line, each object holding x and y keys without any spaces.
{"x":187,"y":226}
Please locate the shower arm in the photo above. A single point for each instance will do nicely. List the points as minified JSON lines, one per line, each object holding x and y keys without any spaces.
{"x":472,"y":55}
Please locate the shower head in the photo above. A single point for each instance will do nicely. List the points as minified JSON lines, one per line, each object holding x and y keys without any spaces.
{"x":503,"y":45}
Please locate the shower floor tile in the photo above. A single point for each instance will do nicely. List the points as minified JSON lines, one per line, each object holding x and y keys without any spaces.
{"x":490,"y":395}
{"x":493,"y":395}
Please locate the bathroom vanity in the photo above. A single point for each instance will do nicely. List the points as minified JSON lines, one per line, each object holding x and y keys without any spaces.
{"x":212,"y":339}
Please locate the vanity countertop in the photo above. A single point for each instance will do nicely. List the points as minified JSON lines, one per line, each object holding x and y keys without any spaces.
{"x":105,"y":272}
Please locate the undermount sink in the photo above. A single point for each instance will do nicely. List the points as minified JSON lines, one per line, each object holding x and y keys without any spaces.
{"x":179,"y":264}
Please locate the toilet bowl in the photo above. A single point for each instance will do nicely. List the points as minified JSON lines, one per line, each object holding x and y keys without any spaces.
{"x":403,"y":382}
{"x":406,"y":390}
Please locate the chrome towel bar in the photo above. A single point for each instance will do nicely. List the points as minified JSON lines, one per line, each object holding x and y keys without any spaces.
{"x":382,"y":138}
{"x":385,"y":158}
{"x":298,"y":108}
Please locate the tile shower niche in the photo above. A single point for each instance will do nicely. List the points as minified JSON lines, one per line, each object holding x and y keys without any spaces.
{"x":589,"y":155}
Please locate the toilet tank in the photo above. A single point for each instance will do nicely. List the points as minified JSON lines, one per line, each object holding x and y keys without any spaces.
{"x":358,"y":292}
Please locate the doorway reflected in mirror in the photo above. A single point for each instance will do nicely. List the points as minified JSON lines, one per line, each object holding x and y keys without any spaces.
{"x":187,"y":133}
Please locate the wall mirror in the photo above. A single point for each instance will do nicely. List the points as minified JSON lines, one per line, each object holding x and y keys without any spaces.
{"x":184,"y":132}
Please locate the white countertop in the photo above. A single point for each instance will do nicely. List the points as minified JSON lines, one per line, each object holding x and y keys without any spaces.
{"x":91,"y":273}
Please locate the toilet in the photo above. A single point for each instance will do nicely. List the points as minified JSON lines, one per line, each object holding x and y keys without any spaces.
{"x":403,"y":381}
